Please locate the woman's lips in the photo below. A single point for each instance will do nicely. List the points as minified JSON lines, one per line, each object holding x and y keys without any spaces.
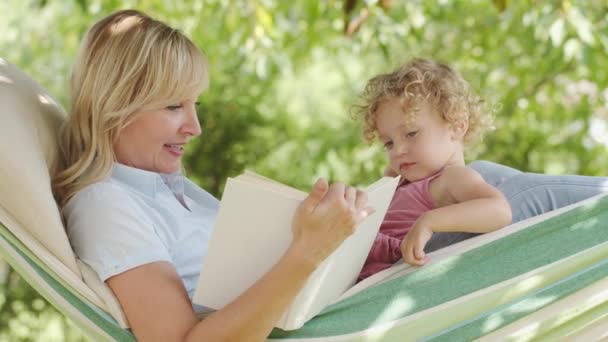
{"x":176,"y":150}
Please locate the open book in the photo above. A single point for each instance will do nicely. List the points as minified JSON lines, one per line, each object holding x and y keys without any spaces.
{"x":252,"y":232}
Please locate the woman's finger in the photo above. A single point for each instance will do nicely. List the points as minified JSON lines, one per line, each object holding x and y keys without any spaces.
{"x":336,"y":191}
{"x":316,"y":195}
{"x":367,"y":211}
{"x":350,"y":195}
{"x":361,"y":199}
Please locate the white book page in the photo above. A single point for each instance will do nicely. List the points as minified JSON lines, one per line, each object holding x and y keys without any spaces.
{"x":252,"y":177}
{"x":252,"y":231}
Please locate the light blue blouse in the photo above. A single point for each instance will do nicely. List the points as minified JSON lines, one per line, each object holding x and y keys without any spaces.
{"x":134,"y":218}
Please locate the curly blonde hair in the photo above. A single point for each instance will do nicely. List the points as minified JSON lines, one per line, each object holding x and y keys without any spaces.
{"x":425,"y":80}
{"x":127,"y":62}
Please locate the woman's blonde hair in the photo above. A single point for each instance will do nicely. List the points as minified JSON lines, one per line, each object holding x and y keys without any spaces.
{"x":127,"y":62}
{"x":425,"y":80}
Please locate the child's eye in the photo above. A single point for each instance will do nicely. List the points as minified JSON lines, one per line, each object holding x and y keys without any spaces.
{"x":388,"y":145}
{"x":412,"y":134}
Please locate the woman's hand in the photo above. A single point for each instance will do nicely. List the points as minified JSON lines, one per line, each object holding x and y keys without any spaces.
{"x":412,"y":246}
{"x":326,"y":218}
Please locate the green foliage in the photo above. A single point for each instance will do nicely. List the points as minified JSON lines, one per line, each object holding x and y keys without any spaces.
{"x":284,"y":76}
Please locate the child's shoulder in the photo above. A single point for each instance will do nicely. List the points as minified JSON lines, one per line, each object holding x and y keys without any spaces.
{"x":456,"y":173}
{"x":450,"y":179}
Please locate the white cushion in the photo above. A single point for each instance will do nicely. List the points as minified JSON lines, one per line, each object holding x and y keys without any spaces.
{"x":29,"y":123}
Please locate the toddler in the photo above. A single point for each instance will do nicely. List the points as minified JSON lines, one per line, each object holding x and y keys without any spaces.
{"x":424,"y":114}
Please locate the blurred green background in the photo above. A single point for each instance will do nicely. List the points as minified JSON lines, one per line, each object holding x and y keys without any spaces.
{"x":285,"y":75}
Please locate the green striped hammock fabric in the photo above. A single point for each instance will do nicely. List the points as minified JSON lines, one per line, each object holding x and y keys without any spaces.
{"x":536,"y":280}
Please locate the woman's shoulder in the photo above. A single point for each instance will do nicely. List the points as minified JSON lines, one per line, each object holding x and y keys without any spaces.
{"x":96,"y":200}
{"x":104,"y":206}
{"x":109,"y":232}
{"x":98,"y":193}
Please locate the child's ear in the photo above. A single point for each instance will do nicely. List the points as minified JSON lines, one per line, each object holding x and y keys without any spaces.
{"x":459,"y":129}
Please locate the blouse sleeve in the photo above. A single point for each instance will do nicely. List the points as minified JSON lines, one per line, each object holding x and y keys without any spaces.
{"x":110,"y":232}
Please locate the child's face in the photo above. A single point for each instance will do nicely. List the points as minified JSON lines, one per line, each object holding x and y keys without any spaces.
{"x":421,"y":148}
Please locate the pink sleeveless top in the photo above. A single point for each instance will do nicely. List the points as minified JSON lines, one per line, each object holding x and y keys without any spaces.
{"x":409,"y":202}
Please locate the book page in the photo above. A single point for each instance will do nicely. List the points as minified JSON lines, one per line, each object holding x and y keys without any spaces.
{"x":252,"y":231}
{"x":252,"y":177}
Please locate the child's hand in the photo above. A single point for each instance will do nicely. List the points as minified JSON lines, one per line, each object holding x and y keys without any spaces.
{"x":412,"y":246}
{"x":389,"y":172}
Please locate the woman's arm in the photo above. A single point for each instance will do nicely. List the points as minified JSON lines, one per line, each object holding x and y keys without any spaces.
{"x":157,"y":306}
{"x":476,"y":207}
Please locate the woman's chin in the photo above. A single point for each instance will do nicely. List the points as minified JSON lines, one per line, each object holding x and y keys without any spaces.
{"x":170,"y":167}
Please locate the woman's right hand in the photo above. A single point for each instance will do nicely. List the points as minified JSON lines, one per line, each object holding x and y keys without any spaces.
{"x":326,"y":218}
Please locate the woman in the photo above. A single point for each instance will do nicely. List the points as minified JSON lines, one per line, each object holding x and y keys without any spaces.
{"x":136,"y":220}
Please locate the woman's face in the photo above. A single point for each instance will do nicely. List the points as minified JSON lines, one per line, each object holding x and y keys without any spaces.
{"x":155,"y":139}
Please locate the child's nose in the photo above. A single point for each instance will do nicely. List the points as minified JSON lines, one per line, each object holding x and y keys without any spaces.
{"x":401,"y":148}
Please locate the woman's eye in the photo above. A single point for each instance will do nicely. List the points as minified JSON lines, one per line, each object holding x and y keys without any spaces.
{"x":174,"y":107}
{"x":388,"y":145}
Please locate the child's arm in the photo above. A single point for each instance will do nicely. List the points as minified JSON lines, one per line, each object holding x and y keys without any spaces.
{"x":477,"y":208}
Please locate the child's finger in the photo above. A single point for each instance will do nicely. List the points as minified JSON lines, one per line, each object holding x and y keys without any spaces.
{"x":408,"y":254}
{"x":422,"y":262}
{"x":419,"y":251}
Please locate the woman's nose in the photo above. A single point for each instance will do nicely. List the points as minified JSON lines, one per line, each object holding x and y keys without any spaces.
{"x":192,"y":126}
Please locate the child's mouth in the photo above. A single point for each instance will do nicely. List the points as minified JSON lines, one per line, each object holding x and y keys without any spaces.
{"x":406,"y":166}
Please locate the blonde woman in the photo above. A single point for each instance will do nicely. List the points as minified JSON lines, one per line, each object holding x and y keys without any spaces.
{"x":136,"y":220}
